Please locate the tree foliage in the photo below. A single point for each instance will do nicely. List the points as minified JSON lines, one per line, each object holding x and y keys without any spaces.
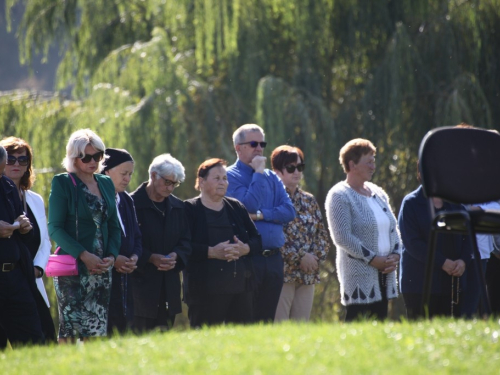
{"x":158,"y":76}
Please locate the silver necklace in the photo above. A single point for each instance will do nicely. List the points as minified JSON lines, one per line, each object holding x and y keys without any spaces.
{"x":157,"y":209}
{"x":154,"y":205}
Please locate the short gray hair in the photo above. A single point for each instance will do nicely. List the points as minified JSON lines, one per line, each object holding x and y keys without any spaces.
{"x":167,"y":165}
{"x":76,"y":147}
{"x":239,"y":134}
{"x":3,"y":154}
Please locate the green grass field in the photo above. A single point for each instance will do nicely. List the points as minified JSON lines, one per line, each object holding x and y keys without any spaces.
{"x":440,"y":346}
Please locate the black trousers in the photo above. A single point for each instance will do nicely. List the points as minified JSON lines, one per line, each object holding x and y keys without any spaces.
{"x":269,"y":279}
{"x":214,"y":309}
{"x":439,"y":305}
{"x":19,"y":317}
{"x":46,"y":321}
{"x":48,"y":328}
{"x":493,"y":282}
{"x":121,"y":308}
{"x":163,"y":320}
{"x":376,"y":310}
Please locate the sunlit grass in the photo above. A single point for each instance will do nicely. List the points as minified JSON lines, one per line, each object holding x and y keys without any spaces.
{"x":441,"y":346}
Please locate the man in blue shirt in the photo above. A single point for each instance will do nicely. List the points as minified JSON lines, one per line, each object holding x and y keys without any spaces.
{"x":265,"y":198}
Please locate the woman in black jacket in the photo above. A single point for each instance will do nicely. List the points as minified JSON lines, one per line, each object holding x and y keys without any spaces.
{"x":166,"y":246}
{"x":19,"y":320}
{"x":119,"y":165}
{"x":218,"y":276}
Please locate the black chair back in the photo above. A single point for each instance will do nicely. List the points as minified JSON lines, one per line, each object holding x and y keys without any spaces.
{"x":461,"y":165}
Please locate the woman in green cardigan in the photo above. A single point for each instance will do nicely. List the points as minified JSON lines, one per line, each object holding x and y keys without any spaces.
{"x":83,"y":221}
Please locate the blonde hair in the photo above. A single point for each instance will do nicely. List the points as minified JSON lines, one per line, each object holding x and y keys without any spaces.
{"x":75,"y":148}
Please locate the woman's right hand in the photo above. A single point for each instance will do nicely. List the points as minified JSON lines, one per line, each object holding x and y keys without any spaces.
{"x":385,"y":264}
{"x":92,"y":262}
{"x":6,"y":229}
{"x":218,"y":251}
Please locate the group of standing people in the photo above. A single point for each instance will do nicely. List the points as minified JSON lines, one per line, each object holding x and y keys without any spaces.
{"x":250,"y":242}
{"x":249,"y":246}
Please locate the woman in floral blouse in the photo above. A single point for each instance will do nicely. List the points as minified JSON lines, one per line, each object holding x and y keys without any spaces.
{"x":306,"y":240}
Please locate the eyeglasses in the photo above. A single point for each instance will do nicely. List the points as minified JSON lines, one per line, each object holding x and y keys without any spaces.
{"x":291,"y":168}
{"x":97,"y":157}
{"x":254,"y":144}
{"x":22,"y":160}
{"x":175,"y":184}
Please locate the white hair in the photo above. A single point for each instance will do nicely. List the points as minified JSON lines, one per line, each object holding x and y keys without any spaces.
{"x":76,"y":147}
{"x":3,"y":154}
{"x":167,"y":165}
{"x":239,"y":134}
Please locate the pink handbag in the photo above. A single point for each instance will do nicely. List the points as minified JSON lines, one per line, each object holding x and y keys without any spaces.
{"x":61,"y":265}
{"x":64,"y":265}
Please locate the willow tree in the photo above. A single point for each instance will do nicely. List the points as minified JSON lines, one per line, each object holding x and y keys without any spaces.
{"x":179,"y":76}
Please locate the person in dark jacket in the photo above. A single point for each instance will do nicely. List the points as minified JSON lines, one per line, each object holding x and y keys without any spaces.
{"x":20,"y":170}
{"x":119,"y":165}
{"x":452,"y":255}
{"x":19,"y":319}
{"x":166,"y":246}
{"x":218,"y":277}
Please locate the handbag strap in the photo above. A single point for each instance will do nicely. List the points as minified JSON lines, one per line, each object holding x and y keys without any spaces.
{"x":76,"y":203}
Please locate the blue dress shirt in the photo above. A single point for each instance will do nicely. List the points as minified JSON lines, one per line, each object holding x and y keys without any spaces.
{"x":264,"y":192}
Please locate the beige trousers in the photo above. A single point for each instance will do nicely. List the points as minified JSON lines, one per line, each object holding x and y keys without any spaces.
{"x":295,"y":302}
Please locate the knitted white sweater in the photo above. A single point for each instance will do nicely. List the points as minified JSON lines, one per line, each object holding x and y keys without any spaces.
{"x":353,"y":228}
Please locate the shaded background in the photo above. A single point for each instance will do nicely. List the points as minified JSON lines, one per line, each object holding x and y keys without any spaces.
{"x":180,"y":76}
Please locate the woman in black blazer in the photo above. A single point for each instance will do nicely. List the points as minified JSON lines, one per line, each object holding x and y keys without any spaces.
{"x":218,"y":276}
{"x":156,"y":282}
{"x":119,"y":165}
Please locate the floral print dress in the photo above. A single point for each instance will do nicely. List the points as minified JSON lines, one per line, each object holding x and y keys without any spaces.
{"x":84,"y":299}
{"x":305,"y":234}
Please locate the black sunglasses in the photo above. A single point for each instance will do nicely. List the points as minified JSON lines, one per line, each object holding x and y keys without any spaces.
{"x":23,"y":160}
{"x":254,"y":144}
{"x":291,"y":168}
{"x":97,"y":157}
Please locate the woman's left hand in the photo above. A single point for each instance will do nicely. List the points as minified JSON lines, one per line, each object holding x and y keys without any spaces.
{"x":105,"y":265}
{"x":239,"y":249}
{"x":385,"y":264}
{"x":391,"y":263}
{"x":126,"y":265}
{"x":309,"y":263}
{"x":24,"y":224}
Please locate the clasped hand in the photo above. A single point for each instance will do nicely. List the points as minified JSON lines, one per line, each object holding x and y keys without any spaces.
{"x":309,"y":263}
{"x":229,"y":251}
{"x":96,"y":265}
{"x":126,"y":265}
{"x":7,"y":229}
{"x":385,"y":264}
{"x":454,"y":267}
{"x":162,"y":262}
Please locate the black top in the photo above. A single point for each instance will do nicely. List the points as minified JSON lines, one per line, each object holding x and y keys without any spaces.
{"x":10,"y":209}
{"x":221,"y":271}
{"x":13,"y":249}
{"x":160,"y":235}
{"x":198,"y":278}
{"x":34,"y":242}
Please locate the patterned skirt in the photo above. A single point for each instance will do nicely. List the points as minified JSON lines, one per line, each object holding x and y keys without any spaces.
{"x":83,"y":303}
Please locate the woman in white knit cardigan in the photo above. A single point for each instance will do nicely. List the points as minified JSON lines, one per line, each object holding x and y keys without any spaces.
{"x":364,"y":230}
